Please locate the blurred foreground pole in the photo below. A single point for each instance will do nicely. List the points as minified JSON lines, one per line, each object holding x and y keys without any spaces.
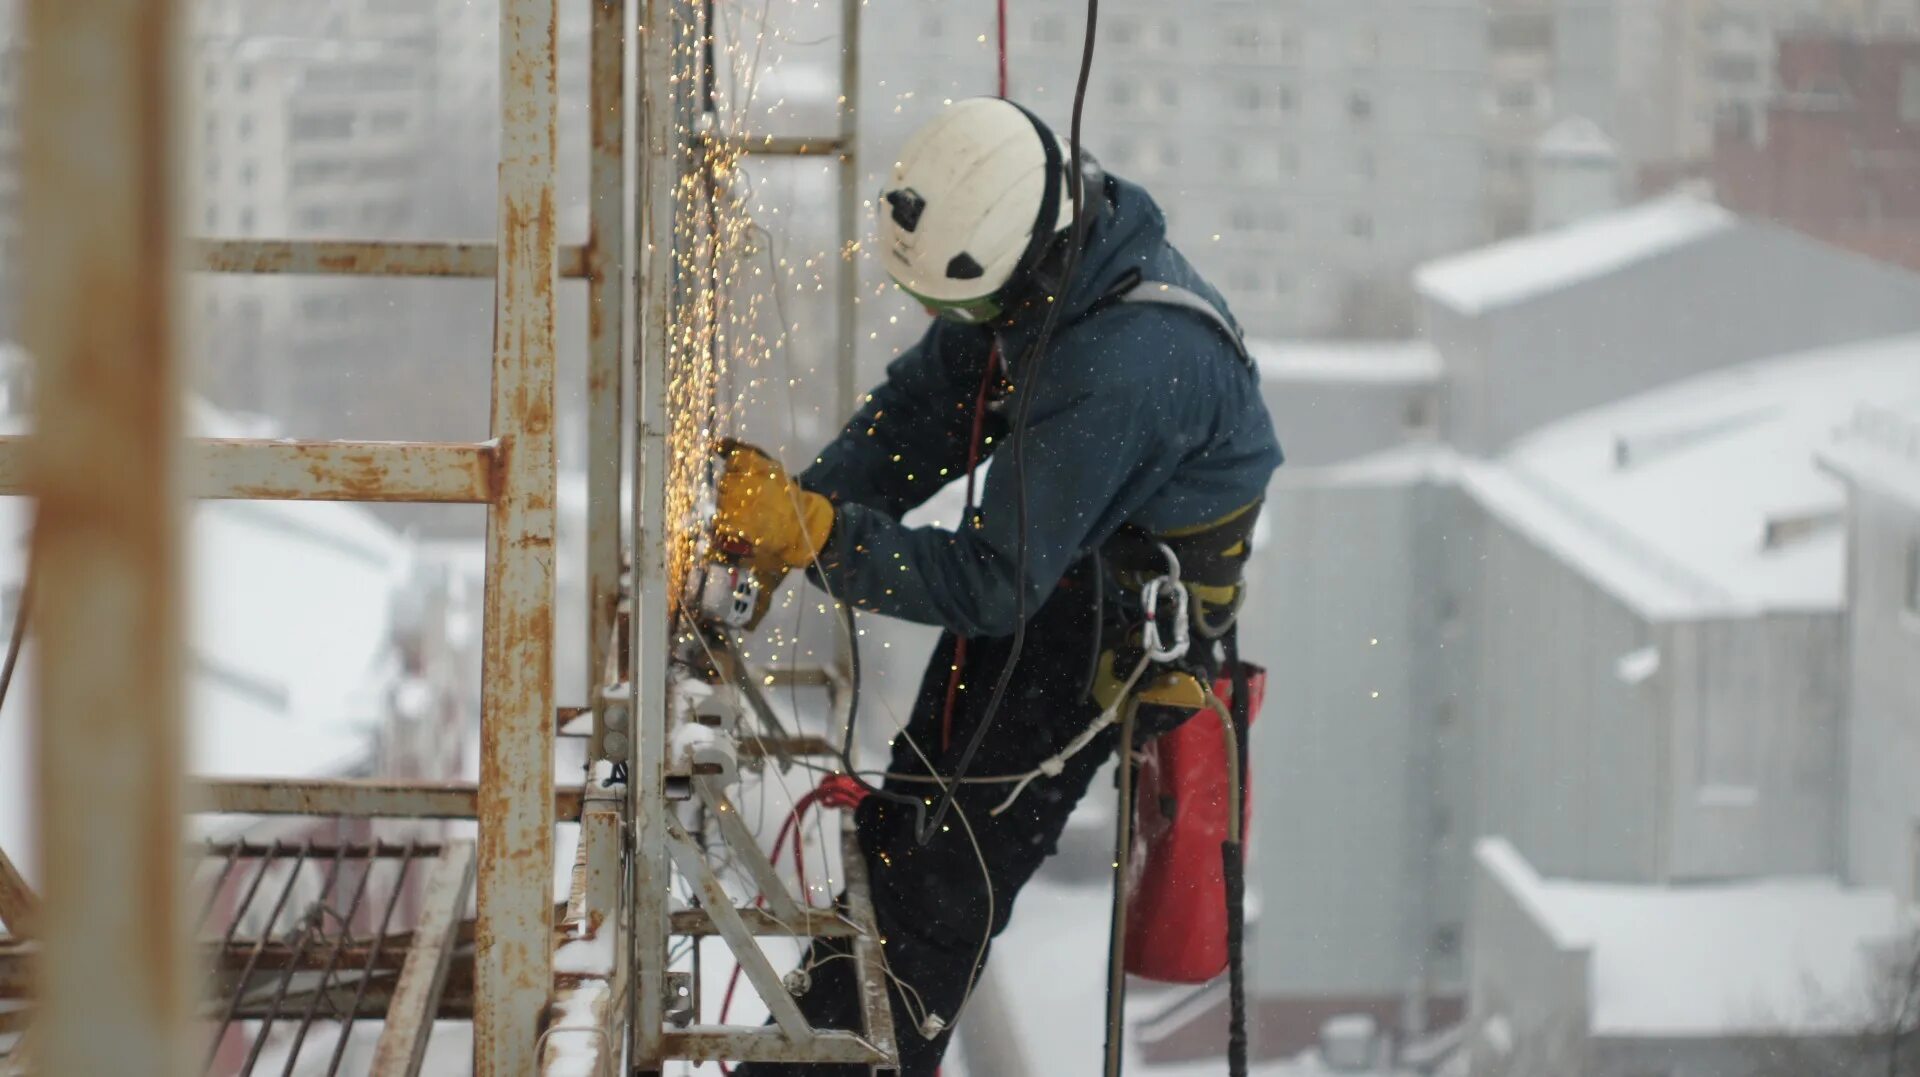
{"x":98,"y":255}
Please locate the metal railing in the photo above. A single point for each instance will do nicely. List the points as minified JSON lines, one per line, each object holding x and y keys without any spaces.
{"x":111,"y":471}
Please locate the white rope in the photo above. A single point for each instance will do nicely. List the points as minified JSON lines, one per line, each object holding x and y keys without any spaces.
{"x":1055,"y":764}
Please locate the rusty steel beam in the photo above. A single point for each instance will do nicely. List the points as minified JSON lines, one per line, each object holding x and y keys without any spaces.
{"x":609,"y":314}
{"x":649,"y":631}
{"x":100,"y":320}
{"x":310,"y":470}
{"x":416,"y":997}
{"x":780,"y":145}
{"x":343,"y":471}
{"x":847,"y":294}
{"x":811,"y":924}
{"x":824,"y":1045}
{"x":513,"y":958}
{"x":584,"y":1031}
{"x":356,"y":798}
{"x":870,"y":965}
{"x":349,"y":257}
{"x":18,"y":903}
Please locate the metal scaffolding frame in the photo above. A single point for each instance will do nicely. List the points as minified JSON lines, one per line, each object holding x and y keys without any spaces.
{"x":111,"y":472}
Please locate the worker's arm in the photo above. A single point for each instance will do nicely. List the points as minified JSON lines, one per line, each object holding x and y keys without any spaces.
{"x":910,"y":436}
{"x":1090,"y":442}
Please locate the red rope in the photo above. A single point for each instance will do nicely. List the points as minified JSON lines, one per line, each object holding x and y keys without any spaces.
{"x":973,"y":465}
{"x":838,"y":791}
{"x":1002,"y":33}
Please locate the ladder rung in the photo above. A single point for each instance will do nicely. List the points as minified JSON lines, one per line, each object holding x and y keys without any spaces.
{"x":357,"y":798}
{"x":409,"y":471}
{"x":352,"y":257}
{"x":792,"y":145}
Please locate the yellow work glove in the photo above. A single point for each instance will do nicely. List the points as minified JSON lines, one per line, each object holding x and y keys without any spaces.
{"x":761,"y":507}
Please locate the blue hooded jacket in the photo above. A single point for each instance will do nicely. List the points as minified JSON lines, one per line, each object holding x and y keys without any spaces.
{"x":1143,"y":413}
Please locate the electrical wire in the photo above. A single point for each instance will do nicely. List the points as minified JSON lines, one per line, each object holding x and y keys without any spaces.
{"x":1028,"y":378}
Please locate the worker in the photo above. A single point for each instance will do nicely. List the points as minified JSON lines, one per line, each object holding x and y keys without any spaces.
{"x":1146,"y":435}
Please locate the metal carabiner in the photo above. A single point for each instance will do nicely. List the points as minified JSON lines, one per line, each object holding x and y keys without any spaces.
{"x":1150,"y":592}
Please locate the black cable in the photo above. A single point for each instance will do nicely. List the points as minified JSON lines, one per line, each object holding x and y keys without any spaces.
{"x":918,"y":804}
{"x":1233,"y":868}
{"x":1029,"y":370}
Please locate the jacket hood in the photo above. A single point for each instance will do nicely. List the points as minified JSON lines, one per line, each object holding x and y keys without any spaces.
{"x":1126,"y":242}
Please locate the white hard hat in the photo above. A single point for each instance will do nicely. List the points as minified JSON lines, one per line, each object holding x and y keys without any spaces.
{"x":973,"y":200}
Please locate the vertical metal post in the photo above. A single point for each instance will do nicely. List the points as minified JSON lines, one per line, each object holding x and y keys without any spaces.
{"x":609,"y":312}
{"x":513,"y":948}
{"x":845,"y":373}
{"x":99,"y":126}
{"x":650,"y":637}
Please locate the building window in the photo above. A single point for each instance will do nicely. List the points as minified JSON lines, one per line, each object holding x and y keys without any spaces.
{"x":247,"y":174}
{"x":246,"y":222}
{"x":245,"y":79}
{"x":213,"y":219}
{"x":1169,"y":155}
{"x":1360,"y":225}
{"x":1363,"y":165}
{"x":1169,"y":34}
{"x":1120,"y":93}
{"x":246,"y":128}
{"x":1286,"y":99}
{"x":1247,"y":97}
{"x":1360,"y":105}
{"x":388,"y":122}
{"x":1282,"y":284}
{"x":1245,"y":282}
{"x":1048,"y":31}
{"x":317,"y":217}
{"x":1913,"y":579}
{"x":1515,"y":97}
{"x":1291,"y":44}
{"x":1289,"y":161}
{"x":1244,"y":40}
{"x":1910,"y":94}
{"x":931,"y":27}
{"x":322,"y":126}
{"x":1366,"y":47}
{"x":1170,"y":94}
{"x":1123,"y":32}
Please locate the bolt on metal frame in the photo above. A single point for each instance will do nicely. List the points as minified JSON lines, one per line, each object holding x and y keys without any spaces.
{"x":108,"y":465}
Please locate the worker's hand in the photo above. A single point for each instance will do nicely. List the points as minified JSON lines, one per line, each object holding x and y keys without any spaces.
{"x":761,"y":507}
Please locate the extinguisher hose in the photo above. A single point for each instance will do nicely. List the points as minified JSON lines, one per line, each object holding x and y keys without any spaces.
{"x":1122,"y":856}
{"x":1233,"y":860}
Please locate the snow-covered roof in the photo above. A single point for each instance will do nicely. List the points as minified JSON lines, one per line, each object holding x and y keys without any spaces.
{"x":1410,"y":362}
{"x":1879,"y":447}
{"x":1576,"y":138}
{"x":1762,"y":956}
{"x":1529,"y":266}
{"x":1704,"y":496}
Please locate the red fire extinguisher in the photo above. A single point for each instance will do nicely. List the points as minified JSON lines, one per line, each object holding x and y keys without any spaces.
{"x":1177,"y":929}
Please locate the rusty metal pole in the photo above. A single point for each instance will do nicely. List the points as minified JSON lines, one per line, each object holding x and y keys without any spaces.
{"x":661,"y":139}
{"x":845,"y":382}
{"x":609,"y":311}
{"x":99,"y":229}
{"x":513,"y":948}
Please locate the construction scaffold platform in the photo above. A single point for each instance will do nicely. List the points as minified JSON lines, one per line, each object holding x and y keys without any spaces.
{"x":145,"y":950}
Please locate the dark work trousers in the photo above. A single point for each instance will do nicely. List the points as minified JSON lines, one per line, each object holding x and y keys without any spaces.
{"x":932,"y":901}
